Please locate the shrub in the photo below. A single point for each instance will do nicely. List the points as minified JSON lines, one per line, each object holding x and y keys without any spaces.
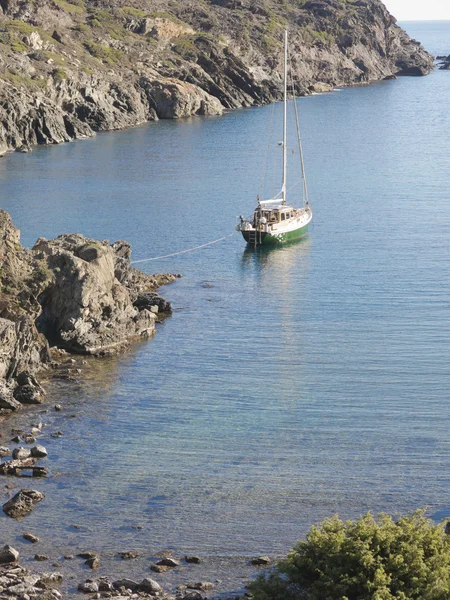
{"x":74,"y":7}
{"x":367,"y":559}
{"x":59,"y":75}
{"x":106,"y":54}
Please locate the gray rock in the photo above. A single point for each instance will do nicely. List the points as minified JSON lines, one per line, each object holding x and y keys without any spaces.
{"x":22,"y":503}
{"x":150,"y":586}
{"x":86,"y":555}
{"x":4,"y":451}
{"x":261,"y":560}
{"x":193,"y":559}
{"x":30,"y":537}
{"x":193,"y":596}
{"x":6,"y":397}
{"x":8,"y":555}
{"x":47,"y":581}
{"x":40,"y":557}
{"x":151,"y":299}
{"x":200,"y":585}
{"x":93,"y":563}
{"x":21,"y":453}
{"x":168,"y":562}
{"x":128,"y":584}
{"x":88,"y":587}
{"x":39,"y":451}
{"x":15,"y":467}
{"x":86,"y":307}
{"x":129,"y":555}
{"x":27,"y":394}
{"x":105,"y":586}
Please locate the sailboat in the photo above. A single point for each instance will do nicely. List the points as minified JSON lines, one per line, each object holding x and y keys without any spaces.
{"x":274,"y":221}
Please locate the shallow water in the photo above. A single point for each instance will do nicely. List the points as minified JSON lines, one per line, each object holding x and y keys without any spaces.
{"x":289,"y":384}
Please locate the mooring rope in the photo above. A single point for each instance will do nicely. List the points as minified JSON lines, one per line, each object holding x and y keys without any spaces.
{"x":142,"y":260}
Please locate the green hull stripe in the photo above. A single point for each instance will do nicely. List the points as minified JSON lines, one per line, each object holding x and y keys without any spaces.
{"x":288,"y":236}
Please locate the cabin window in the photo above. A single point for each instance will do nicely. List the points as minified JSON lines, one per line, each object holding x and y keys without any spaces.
{"x":283,"y":216}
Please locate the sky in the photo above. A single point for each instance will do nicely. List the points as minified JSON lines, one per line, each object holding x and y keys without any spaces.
{"x":419,"y":10}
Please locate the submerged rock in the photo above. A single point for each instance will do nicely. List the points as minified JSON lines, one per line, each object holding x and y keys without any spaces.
{"x":261,"y":561}
{"x":93,"y":563}
{"x":129,"y":555}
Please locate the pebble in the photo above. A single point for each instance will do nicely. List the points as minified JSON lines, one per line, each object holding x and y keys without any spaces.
{"x":58,"y":407}
{"x":86,"y":555}
{"x":192,"y":559}
{"x":4,"y":451}
{"x":40,"y":557}
{"x":57,"y":434}
{"x":159,"y":568}
{"x":93,"y":563}
{"x":168,"y":562}
{"x":129,"y":555}
{"x":30,"y":537}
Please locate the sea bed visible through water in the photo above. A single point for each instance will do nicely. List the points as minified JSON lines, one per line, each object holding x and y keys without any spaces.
{"x":289,"y":384}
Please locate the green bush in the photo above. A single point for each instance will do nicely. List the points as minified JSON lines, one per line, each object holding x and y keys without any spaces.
{"x":367,"y":559}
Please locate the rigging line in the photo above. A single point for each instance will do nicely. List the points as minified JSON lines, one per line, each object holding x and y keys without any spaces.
{"x":134,"y":262}
{"x":300,"y":147}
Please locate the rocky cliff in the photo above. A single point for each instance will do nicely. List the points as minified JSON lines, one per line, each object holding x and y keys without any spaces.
{"x":69,"y":68}
{"x":73,"y":292}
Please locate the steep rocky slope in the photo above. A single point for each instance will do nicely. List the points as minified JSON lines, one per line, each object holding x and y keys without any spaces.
{"x":69,"y":68}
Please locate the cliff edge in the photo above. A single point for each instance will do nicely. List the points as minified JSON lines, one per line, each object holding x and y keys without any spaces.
{"x":70,"y":68}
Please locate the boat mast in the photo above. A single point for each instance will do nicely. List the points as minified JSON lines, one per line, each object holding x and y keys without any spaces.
{"x":283,"y":186}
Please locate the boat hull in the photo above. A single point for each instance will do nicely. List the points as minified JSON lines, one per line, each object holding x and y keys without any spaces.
{"x":267,"y":239}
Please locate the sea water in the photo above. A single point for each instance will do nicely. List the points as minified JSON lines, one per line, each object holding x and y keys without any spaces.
{"x":289,"y":384}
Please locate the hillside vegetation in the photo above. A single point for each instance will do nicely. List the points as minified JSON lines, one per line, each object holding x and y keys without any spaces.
{"x":69,"y":68}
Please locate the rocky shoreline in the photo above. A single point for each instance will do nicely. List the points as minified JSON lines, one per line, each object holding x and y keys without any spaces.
{"x":69,"y":294}
{"x":83,"y":296}
{"x":71,"y":68}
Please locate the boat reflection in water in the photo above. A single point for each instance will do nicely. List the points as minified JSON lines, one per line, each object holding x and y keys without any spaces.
{"x":282,"y":296}
{"x":281,"y":259}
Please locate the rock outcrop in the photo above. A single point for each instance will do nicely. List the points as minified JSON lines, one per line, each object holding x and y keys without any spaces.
{"x":73,"y":292}
{"x":22,"y":503}
{"x":70,"y":68}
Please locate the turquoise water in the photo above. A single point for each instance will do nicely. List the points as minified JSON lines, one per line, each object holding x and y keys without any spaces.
{"x":289,"y":384}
